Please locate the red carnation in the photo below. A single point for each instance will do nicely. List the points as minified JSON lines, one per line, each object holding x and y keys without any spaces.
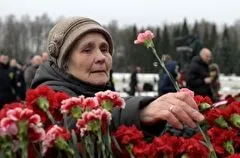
{"x":221,"y":136}
{"x":193,"y":148}
{"x":141,"y":149}
{"x":126,"y":135}
{"x":234,"y":156}
{"x":7,"y":107}
{"x":46,"y":95}
{"x":165,"y":145}
{"x":110,"y":99}
{"x":214,"y":116}
{"x":52,"y":135}
{"x":199,"y":99}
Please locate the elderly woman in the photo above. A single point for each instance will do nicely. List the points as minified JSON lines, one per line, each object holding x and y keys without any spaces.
{"x":80,"y":62}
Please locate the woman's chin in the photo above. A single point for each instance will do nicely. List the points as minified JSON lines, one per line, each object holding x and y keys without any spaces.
{"x":99,"y":81}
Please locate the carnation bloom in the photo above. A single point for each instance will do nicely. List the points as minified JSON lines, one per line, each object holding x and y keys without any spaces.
{"x":93,"y":120}
{"x":70,"y":103}
{"x":9,"y":124}
{"x":110,"y":99}
{"x":52,"y":135}
{"x":141,"y":149}
{"x":215,"y":117}
{"x":143,"y":37}
{"x":234,"y":156}
{"x":40,"y":100}
{"x":165,"y":145}
{"x":222,"y":137}
{"x":6,"y":107}
{"x":193,"y":148}
{"x":128,"y":135}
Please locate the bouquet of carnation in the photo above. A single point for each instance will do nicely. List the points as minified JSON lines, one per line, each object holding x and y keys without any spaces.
{"x":52,"y":124}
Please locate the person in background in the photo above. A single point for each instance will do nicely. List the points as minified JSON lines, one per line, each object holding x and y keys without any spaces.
{"x":198,"y":78}
{"x":165,"y":84}
{"x":166,"y":57}
{"x":19,"y":79}
{"x":31,"y":70}
{"x":44,"y":56}
{"x":81,"y":59}
{"x":7,"y":81}
{"x":215,"y":85}
{"x":134,"y":82}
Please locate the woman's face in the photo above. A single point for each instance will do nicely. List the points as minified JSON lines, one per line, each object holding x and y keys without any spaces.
{"x":90,"y":60}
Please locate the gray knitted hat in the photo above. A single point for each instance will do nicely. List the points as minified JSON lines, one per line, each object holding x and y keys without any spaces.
{"x":67,"y":31}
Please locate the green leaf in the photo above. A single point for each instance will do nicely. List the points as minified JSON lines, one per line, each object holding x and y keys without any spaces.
{"x":221,"y":122}
{"x":235,"y":120}
{"x":107,"y":104}
{"x":228,"y":146}
{"x":76,"y":112}
{"x":43,"y":103}
{"x":204,"y":106}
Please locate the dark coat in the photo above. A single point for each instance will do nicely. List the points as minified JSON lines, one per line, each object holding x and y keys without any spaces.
{"x":49,"y":74}
{"x":165,"y":84}
{"x":7,"y":88}
{"x":197,"y":71}
{"x":19,"y":82}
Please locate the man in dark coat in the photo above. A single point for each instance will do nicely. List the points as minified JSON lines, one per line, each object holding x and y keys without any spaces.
{"x":20,"y":84}
{"x":7,"y":88}
{"x":198,"y":78}
{"x":134,"y":81}
{"x":31,"y":70}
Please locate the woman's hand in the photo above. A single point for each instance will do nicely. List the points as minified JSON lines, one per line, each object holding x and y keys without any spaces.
{"x":176,"y":108}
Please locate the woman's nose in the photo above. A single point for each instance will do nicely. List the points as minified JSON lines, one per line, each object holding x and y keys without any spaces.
{"x":100,"y":56}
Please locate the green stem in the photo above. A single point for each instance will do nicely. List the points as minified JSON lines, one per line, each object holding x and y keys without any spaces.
{"x":74,"y":144}
{"x":208,"y":142}
{"x":49,"y":115}
{"x":101,"y":144}
{"x":23,"y":138}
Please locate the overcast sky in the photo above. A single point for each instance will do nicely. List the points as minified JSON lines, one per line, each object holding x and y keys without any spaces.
{"x":140,"y":12}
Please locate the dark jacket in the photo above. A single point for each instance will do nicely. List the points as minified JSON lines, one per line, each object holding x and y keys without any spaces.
{"x":19,"y":82}
{"x":165,"y":84}
{"x":197,"y":71}
{"x":7,"y":88}
{"x":49,"y":74}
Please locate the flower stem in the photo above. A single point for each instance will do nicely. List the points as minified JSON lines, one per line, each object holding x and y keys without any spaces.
{"x":208,"y":142}
{"x":49,"y":115}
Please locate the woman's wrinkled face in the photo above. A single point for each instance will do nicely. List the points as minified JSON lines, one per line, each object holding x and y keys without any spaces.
{"x":90,"y":60}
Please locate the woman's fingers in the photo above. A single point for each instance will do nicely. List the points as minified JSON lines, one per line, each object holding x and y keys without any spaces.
{"x":182,"y":116}
{"x":170,"y":118}
{"x":192,"y":113}
{"x":175,"y":108}
{"x":185,"y":97}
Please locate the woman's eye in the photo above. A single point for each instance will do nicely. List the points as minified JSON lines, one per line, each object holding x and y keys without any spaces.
{"x":87,"y":50}
{"x":104,"y":50}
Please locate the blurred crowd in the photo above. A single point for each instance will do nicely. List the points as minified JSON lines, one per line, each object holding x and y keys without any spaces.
{"x":16,"y":78}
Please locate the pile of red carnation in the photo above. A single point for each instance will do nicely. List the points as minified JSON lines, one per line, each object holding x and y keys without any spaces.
{"x":223,"y":130}
{"x":53,"y":124}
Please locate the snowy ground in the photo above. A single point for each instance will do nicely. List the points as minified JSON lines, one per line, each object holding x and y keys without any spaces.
{"x":229,"y":84}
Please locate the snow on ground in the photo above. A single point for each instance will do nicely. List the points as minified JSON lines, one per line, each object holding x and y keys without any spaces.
{"x":229,"y":84}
